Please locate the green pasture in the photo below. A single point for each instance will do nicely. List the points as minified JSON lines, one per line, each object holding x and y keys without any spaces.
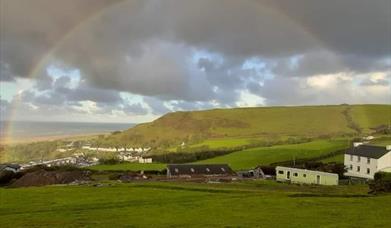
{"x":247,"y":204}
{"x":266,"y":155}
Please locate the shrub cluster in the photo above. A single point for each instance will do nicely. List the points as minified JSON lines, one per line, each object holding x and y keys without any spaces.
{"x":381,"y":183}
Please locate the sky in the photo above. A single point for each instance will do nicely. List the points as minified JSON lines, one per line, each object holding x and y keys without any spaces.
{"x":135,"y":60}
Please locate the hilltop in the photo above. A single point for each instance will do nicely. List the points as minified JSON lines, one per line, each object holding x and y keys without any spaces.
{"x":260,"y":123}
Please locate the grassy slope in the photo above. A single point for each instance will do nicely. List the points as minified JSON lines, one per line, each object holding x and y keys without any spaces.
{"x":265,"y":155}
{"x":129,"y":167}
{"x":337,"y":159}
{"x":251,"y":204}
{"x":259,"y":123}
{"x":382,"y":141}
{"x":371,"y":115}
{"x":225,"y":142}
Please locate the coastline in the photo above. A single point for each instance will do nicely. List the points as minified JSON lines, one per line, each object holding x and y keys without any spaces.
{"x":22,"y":140}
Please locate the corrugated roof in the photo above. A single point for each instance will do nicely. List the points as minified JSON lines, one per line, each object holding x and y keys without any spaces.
{"x":368,"y":151}
{"x":306,"y":170}
{"x":14,"y":166}
{"x":199,"y":169}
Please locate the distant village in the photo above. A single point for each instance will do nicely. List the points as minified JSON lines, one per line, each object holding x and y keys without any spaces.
{"x":80,"y":159}
{"x":361,"y":162}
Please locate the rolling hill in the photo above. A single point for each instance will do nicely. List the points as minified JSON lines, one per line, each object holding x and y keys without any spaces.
{"x":261,"y":123}
{"x":250,"y":158}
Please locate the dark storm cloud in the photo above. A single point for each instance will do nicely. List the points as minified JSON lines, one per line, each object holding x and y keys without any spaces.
{"x":356,"y":27}
{"x":29,"y":29}
{"x":146,"y":47}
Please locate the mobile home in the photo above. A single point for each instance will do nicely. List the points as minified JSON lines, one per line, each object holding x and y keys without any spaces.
{"x":304,"y":176}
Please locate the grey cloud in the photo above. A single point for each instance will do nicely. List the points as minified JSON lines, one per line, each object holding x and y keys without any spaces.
{"x":283,"y":91}
{"x":30,"y":29}
{"x":5,"y":71}
{"x":157,"y":106}
{"x":83,"y":93}
{"x":136,"y":109}
{"x":356,"y":27}
{"x":326,"y":62}
{"x":380,"y":82}
{"x":4,"y":109}
{"x":145,"y":47}
{"x":185,"y":105}
{"x":44,"y":82}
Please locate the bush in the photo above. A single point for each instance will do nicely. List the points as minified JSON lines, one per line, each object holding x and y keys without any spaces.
{"x":6,"y":177}
{"x":383,"y":176}
{"x":109,"y":161}
{"x":381,"y":183}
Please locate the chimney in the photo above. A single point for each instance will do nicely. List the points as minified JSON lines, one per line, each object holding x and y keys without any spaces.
{"x":356,"y":144}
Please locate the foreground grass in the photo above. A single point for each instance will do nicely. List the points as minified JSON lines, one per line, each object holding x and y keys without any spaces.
{"x":266,"y":155}
{"x":128,"y":166}
{"x":249,"y":204}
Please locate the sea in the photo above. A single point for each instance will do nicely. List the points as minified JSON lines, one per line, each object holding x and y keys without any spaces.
{"x":31,"y":129}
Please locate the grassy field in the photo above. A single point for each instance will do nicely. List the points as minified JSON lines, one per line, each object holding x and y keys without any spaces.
{"x":266,"y":155}
{"x":382,"y":141}
{"x":225,"y":142}
{"x":337,"y":159}
{"x":368,"y":116}
{"x":248,"y":204}
{"x":129,"y":167}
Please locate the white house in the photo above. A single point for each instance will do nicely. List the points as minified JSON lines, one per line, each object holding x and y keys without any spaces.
{"x":364,"y":161}
{"x":144,"y":160}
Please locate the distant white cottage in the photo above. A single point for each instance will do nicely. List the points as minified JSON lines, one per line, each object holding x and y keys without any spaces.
{"x":364,"y":161}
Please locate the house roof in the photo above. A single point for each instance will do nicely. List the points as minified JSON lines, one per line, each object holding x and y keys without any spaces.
{"x":368,"y":151}
{"x":199,"y":169}
{"x":306,"y":171}
{"x":13,"y":166}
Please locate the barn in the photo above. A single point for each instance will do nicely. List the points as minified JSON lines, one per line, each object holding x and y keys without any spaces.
{"x":198,"y":170}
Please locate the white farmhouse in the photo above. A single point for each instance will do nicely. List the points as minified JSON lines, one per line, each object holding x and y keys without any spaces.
{"x":364,"y":161}
{"x":144,"y":160}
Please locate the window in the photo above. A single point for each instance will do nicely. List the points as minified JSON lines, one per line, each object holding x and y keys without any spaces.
{"x":351,"y":157}
{"x":368,"y":170}
{"x":358,"y":168}
{"x":368,"y":161}
{"x":304,"y":175}
{"x":358,"y":158}
{"x":280,"y":172}
{"x":295,"y":174}
{"x":351,"y":167}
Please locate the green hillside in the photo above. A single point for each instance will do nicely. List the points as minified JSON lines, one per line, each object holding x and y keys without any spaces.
{"x":250,"y":158}
{"x":261,"y":123}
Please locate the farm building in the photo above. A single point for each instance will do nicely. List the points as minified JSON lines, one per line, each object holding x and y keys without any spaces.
{"x":198,"y":170}
{"x":363,"y":161}
{"x":304,"y":176}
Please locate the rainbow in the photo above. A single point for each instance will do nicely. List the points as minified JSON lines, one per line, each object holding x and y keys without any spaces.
{"x":41,"y":64}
